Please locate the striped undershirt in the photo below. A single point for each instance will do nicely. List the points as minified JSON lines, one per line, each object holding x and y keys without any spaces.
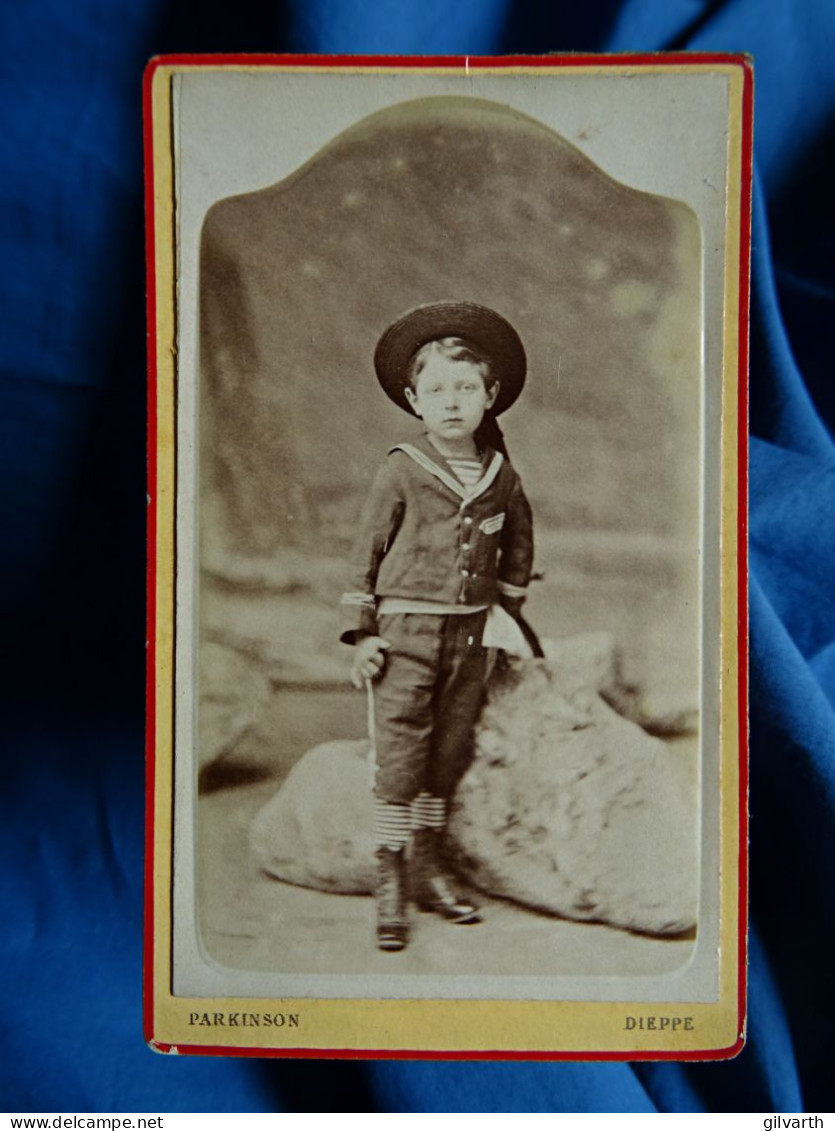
{"x":468,"y":470}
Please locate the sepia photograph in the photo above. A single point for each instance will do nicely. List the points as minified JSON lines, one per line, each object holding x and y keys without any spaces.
{"x":449,"y":365}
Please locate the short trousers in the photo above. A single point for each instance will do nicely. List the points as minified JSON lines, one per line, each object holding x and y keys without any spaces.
{"x":427,"y":703}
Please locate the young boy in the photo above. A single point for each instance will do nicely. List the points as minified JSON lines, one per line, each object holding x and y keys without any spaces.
{"x":446,"y":533}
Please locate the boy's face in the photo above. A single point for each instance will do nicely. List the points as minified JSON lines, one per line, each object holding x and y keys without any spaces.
{"x":451,"y":398}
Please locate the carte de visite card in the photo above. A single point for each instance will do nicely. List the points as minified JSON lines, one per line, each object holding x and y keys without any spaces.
{"x":447,"y":743}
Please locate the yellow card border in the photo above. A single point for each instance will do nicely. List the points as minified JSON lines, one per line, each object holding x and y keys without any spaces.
{"x":440,"y":1028}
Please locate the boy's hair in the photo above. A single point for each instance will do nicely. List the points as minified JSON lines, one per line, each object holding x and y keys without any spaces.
{"x":455,"y":349}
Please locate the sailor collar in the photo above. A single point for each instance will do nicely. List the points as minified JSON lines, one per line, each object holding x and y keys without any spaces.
{"x":420,"y":453}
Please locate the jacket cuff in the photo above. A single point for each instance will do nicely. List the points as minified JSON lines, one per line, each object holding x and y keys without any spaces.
{"x":359,"y":617}
{"x":512,"y":605}
{"x":511,"y":597}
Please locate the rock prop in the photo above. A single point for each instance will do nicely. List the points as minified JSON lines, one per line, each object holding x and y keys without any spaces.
{"x":567,"y":808}
{"x":570,"y":808}
{"x":587,"y":660}
{"x":317,"y":830}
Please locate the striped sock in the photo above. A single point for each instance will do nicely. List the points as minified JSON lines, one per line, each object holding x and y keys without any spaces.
{"x":392,"y":824}
{"x":428,"y":812}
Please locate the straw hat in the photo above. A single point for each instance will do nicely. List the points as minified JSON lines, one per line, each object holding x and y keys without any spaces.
{"x":480,"y":325}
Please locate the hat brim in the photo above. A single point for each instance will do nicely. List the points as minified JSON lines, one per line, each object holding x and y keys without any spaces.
{"x":480,"y":325}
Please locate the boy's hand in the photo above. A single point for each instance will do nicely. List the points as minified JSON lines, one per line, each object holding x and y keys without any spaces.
{"x":369,"y":660}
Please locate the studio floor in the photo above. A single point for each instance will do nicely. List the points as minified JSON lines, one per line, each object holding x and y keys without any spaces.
{"x":252,"y":922}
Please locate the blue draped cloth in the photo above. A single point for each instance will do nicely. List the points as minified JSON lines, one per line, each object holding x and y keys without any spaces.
{"x":72,"y":500}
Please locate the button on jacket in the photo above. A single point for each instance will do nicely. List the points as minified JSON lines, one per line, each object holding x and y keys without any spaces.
{"x":425,"y":536}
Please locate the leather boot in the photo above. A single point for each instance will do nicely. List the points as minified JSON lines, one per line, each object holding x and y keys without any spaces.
{"x":435,"y":889}
{"x":392,"y":917}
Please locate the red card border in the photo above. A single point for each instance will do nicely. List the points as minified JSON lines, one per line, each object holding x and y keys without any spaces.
{"x":455,"y":62}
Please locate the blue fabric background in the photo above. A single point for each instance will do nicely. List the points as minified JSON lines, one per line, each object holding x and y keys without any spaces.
{"x":72,"y":368}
